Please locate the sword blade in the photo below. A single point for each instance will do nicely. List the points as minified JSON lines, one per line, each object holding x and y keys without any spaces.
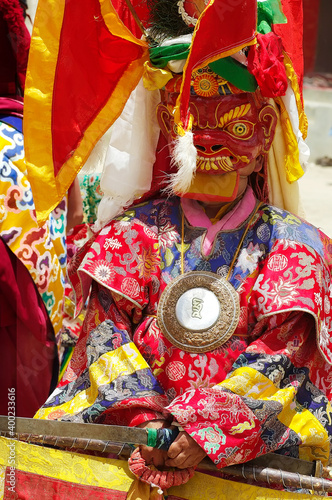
{"x":59,"y":428}
{"x":282,"y":462}
{"x":133,"y":435}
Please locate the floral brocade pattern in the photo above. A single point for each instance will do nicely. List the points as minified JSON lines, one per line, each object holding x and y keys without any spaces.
{"x":79,"y":476}
{"x":41,"y":249}
{"x":267,"y":388}
{"x":283,"y":263}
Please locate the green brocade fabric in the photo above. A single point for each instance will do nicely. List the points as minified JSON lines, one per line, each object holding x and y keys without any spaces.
{"x":235,"y":73}
{"x":160,"y":56}
{"x":269,"y":12}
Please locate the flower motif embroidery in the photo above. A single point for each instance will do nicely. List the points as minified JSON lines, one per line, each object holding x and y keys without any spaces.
{"x":283,"y":292}
{"x":54,"y":415}
{"x":101,"y":270}
{"x":210,"y":410}
{"x":287,"y":244}
{"x":120,"y":226}
{"x":148,"y":263}
{"x":184,"y":415}
{"x":168,"y":236}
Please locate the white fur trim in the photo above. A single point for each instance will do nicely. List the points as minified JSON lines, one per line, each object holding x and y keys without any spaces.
{"x":184,"y":156}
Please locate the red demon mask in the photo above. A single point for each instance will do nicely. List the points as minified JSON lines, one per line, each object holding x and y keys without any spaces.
{"x":230,"y":130}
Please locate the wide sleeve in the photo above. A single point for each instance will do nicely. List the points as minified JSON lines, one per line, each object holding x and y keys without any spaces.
{"x":275,"y":398}
{"x":108,"y":380}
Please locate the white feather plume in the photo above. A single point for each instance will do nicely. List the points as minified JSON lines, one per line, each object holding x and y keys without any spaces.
{"x":184,"y":156}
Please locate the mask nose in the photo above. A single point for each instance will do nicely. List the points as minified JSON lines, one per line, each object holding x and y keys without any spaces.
{"x":217,"y":148}
{"x":209,"y":150}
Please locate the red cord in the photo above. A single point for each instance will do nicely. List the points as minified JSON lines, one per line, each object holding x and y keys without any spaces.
{"x":162,"y":479}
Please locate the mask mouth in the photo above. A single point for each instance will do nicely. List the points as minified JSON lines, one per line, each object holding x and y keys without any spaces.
{"x":220,"y":164}
{"x":215,"y":165}
{"x":213,"y":188}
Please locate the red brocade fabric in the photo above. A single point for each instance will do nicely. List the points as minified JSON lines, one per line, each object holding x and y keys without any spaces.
{"x":30,"y":486}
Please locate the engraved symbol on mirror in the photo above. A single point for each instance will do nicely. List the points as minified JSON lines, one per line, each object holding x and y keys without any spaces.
{"x":196,"y":307}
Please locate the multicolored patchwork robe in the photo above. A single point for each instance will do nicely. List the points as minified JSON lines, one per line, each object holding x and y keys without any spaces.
{"x":268,"y":388}
{"x":41,"y":249}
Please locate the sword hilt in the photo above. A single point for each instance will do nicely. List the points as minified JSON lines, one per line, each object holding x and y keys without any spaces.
{"x":161,"y":438}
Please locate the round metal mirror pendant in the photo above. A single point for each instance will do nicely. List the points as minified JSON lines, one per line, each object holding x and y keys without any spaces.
{"x":198,"y":311}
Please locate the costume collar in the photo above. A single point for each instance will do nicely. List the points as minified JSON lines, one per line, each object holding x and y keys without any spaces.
{"x":197,"y":217}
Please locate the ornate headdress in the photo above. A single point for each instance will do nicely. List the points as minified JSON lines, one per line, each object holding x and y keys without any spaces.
{"x":246,"y":44}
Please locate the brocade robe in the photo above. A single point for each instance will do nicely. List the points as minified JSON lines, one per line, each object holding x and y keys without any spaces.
{"x":268,"y":388}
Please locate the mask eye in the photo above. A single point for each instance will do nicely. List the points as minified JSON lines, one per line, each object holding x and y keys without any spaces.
{"x":241,"y":130}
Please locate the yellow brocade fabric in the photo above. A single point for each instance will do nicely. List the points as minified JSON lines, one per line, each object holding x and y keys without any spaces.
{"x":291,"y":160}
{"x":315,"y":444}
{"x":143,"y":491}
{"x":155,"y":78}
{"x":114,"y":474}
{"x":41,"y":249}
{"x":74,"y":467}
{"x":125,"y":360}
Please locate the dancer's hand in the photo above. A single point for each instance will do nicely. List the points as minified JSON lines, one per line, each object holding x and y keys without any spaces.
{"x":184,"y":452}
